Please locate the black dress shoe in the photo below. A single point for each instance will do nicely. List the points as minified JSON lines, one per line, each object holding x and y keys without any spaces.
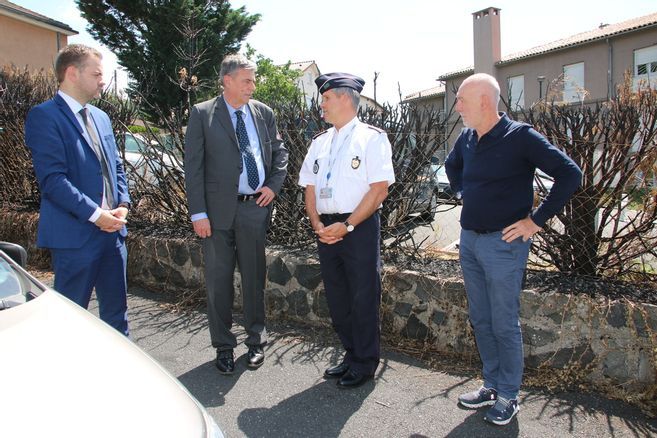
{"x":336,"y":371}
{"x":353,"y":379}
{"x":256,"y":357}
{"x":225,"y":362}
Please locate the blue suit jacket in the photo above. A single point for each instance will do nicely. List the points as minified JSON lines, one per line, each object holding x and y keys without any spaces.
{"x":69,"y":173}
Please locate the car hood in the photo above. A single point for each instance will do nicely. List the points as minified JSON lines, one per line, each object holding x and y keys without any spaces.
{"x":66,"y":373}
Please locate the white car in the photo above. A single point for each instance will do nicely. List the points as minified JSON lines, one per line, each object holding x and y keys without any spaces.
{"x":145,"y":160}
{"x":65,"y":373}
{"x":542,"y":182}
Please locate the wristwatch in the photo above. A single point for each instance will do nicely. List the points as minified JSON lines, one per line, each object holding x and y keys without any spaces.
{"x":350,"y":227}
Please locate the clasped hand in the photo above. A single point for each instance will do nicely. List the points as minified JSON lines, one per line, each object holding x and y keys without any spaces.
{"x":331,"y":234}
{"x":111,"y":221}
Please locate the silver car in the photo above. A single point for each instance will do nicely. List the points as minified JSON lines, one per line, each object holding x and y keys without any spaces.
{"x":65,"y":373}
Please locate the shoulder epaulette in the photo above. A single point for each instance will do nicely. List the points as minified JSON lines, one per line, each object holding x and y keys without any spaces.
{"x":379,"y":130}
{"x":317,"y":135}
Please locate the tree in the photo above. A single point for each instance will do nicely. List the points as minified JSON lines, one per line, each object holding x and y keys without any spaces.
{"x":276,"y":85}
{"x":154,"y":41}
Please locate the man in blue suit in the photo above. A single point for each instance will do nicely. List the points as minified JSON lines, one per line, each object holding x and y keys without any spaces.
{"x":84,"y":194}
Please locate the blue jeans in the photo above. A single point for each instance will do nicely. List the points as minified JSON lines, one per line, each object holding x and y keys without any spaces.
{"x":493,"y":271}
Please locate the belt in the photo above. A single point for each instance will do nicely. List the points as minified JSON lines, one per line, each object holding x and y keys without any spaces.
{"x":334,"y":217}
{"x":244,"y":198}
{"x":485,"y":231}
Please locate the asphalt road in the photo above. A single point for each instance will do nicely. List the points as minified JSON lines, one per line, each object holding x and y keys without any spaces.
{"x":287,"y":396}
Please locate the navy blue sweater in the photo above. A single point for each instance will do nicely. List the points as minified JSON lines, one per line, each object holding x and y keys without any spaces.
{"x":495,"y":175}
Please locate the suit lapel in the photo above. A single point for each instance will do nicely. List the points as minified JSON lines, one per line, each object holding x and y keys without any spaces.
{"x":223,"y":115}
{"x":105,"y":148}
{"x":63,"y":106}
{"x":259,"y":123}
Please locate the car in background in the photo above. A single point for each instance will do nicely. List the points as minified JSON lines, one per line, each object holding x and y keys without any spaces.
{"x":443,"y":188}
{"x":542,"y":182}
{"x":148,"y":161}
{"x":429,"y":189}
{"x":67,"y":373}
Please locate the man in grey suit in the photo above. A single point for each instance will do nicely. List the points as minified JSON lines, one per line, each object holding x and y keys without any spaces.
{"x":235,"y":164}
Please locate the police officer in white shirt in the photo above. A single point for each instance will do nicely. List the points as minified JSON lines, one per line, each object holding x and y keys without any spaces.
{"x":346,"y":174}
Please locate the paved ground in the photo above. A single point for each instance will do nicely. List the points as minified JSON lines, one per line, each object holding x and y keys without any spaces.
{"x":287,"y":397}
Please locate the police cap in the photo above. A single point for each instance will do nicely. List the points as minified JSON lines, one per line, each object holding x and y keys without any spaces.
{"x":338,"y":80}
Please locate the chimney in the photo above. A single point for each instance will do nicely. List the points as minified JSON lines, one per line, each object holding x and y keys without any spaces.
{"x":487,"y":41}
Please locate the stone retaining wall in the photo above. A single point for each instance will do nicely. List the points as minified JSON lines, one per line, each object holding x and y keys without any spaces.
{"x":614,"y":342}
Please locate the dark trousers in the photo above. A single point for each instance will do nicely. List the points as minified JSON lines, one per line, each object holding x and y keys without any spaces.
{"x":243,"y":244}
{"x":352,"y":281}
{"x":101,"y":264}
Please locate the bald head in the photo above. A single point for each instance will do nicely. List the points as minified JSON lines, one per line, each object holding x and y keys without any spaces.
{"x":485,"y":85}
{"x":477,"y":101}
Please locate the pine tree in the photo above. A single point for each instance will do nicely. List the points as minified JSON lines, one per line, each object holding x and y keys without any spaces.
{"x":155,"y":40}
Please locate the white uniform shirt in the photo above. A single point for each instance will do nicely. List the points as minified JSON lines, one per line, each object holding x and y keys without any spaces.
{"x":356,"y":156}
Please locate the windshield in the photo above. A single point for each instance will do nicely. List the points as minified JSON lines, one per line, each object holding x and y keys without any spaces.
{"x":16,"y":285}
{"x":133,"y":144}
{"x":9,"y":283}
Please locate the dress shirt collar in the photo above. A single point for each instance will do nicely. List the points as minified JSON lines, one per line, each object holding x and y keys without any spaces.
{"x":72,"y":103}
{"x":347,"y":127}
{"x":232,"y":110}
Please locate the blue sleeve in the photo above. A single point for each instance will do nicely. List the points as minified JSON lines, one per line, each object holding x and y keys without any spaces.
{"x":555,"y":163}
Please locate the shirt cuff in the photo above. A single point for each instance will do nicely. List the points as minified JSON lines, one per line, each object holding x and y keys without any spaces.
{"x":94,"y":217}
{"x":199,"y":216}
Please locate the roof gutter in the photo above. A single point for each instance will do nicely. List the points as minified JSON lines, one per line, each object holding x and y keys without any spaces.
{"x":45,"y":23}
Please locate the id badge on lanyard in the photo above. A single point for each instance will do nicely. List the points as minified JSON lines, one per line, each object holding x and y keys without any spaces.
{"x":326,"y":192}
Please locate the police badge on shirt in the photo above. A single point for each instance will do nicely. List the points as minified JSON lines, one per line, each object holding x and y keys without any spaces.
{"x":355,"y":162}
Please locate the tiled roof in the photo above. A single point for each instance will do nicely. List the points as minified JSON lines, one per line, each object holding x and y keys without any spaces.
{"x":303,"y":65}
{"x":600,"y":33}
{"x":457,"y":73}
{"x":19,"y":10}
{"x":425,"y":94}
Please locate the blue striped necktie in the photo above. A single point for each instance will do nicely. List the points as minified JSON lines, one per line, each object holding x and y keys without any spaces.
{"x":245,"y":148}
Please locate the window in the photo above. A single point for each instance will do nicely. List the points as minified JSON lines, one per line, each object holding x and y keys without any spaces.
{"x":573,"y":82}
{"x":517,"y":92}
{"x":645,"y":65}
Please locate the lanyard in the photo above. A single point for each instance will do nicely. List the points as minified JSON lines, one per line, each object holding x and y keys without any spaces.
{"x":337,"y":154}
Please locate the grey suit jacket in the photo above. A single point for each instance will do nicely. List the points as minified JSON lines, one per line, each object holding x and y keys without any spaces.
{"x":213,"y":161}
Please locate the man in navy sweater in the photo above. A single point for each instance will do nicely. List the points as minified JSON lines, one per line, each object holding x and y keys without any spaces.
{"x":492,"y":165}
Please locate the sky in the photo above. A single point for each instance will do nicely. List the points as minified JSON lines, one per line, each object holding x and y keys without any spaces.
{"x":409,"y":43}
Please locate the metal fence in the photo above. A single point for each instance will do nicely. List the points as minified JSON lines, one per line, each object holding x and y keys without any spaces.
{"x":606,"y":230}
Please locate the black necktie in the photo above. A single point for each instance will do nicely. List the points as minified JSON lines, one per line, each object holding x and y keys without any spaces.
{"x":98,"y":149}
{"x":245,"y":148}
